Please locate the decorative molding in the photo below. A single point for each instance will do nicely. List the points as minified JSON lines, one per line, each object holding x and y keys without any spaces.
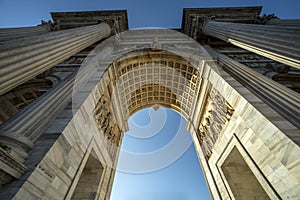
{"x":117,"y":19}
{"x":10,"y":168}
{"x":191,"y":16}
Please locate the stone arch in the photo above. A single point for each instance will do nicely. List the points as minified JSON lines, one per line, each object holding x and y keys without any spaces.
{"x":150,"y":71}
{"x":183,"y":56}
{"x":208,"y":111}
{"x":220,"y":104}
{"x":140,"y":79}
{"x":169,"y":56}
{"x":148,"y":77}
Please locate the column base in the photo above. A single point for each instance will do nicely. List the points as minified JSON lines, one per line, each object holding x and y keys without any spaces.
{"x":10,"y":168}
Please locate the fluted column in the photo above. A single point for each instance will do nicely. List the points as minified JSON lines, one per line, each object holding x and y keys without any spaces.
{"x":20,"y":131}
{"x":283,"y":100}
{"x":280,"y":43}
{"x":284,"y":22}
{"x":21,"y":60}
{"x":7,"y":34}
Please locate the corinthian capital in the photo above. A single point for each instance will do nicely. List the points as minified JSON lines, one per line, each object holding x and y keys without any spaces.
{"x":265,"y":18}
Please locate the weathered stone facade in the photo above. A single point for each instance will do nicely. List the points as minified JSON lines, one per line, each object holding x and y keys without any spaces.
{"x":69,"y":86}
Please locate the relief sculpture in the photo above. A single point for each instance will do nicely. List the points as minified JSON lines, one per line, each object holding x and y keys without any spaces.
{"x":217,"y":113}
{"x":106,"y":122}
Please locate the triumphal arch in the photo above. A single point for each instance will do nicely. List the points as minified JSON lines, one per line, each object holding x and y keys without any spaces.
{"x":68,"y":87}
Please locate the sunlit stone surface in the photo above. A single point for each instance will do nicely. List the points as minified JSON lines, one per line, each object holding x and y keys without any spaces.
{"x":67,"y":96}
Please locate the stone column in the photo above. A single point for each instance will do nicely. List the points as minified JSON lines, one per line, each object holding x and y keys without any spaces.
{"x":280,"y":43}
{"x":7,"y":34}
{"x":20,"y":131}
{"x":283,"y":100}
{"x":284,"y":22}
{"x":23,"y":59}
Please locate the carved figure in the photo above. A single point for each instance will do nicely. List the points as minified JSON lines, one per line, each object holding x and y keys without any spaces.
{"x":216,"y":115}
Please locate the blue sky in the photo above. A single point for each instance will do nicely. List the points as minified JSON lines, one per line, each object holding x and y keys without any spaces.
{"x":183,"y":179}
{"x":154,"y":13}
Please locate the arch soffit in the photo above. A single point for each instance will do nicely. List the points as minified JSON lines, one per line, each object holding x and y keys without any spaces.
{"x":162,"y":63}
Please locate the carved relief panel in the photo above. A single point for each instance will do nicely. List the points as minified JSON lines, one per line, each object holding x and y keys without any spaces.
{"x":216,"y":114}
{"x":106,"y":121}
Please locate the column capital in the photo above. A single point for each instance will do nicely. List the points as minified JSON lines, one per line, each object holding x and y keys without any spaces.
{"x":265,"y":18}
{"x":50,"y":26}
{"x":114,"y":24}
{"x":197,"y":23}
{"x":117,"y":19}
{"x":192,"y":15}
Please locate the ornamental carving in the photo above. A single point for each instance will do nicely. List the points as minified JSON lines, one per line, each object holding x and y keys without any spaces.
{"x":265,"y":19}
{"x":50,"y":26}
{"x":216,"y":115}
{"x":106,"y":122}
